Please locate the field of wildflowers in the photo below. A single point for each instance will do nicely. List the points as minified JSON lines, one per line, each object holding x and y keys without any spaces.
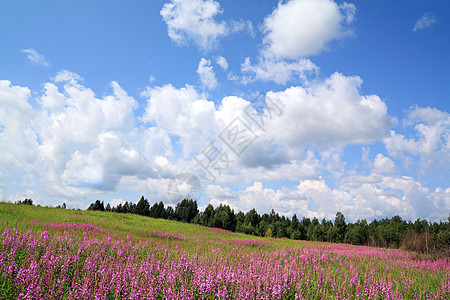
{"x":60,"y":254}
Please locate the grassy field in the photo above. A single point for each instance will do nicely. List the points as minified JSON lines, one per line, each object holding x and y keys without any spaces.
{"x":49,"y":253}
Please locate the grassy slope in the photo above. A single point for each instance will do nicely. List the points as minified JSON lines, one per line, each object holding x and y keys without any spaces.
{"x":368,"y":268}
{"x":134,"y":226}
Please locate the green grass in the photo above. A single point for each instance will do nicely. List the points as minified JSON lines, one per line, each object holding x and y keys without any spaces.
{"x":337,"y":270}
{"x":129,"y":225}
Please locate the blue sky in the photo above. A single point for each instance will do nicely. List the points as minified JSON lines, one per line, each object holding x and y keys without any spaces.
{"x":110,"y":100}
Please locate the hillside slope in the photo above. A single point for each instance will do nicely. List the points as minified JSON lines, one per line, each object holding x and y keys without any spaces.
{"x":125,"y":226}
{"x":49,"y":253}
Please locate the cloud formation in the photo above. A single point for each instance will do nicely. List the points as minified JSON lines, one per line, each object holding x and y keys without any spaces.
{"x":426,"y":21}
{"x":75,"y":144}
{"x":293,"y":31}
{"x":329,"y":114}
{"x":206,"y":73}
{"x":17,"y":140}
{"x":302,"y":28}
{"x":35,"y":57}
{"x":278,"y":71}
{"x":429,"y":141}
{"x":194,"y":20}
{"x":183,"y":113}
{"x":222,"y":62}
{"x":372,"y":196}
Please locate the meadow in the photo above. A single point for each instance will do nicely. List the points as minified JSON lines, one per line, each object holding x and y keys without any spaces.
{"x":50,"y":253}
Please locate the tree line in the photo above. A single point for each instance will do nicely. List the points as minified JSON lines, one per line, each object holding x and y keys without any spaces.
{"x":420,"y":235}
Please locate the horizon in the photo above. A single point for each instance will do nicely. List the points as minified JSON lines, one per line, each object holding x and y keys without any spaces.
{"x":289,"y":218}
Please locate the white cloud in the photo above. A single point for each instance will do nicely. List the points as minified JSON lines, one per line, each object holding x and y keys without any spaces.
{"x":195,"y":20}
{"x":278,"y":71}
{"x":78,"y":145}
{"x":259,"y":163}
{"x":255,"y":196}
{"x":67,"y":76}
{"x":296,"y":29}
{"x":35,"y":57}
{"x":87,"y":145}
{"x":373,"y":196}
{"x":426,"y":21}
{"x":328,"y":114}
{"x":427,"y":114}
{"x":184,"y":113}
{"x":331,"y":160}
{"x":206,"y":73}
{"x":348,"y":10}
{"x":222,"y":62}
{"x":106,"y":164}
{"x":28,"y":194}
{"x":430,"y":141}
{"x":241,"y":25}
{"x":441,"y":201}
{"x":301,"y":28}
{"x":116,"y":201}
{"x":18,"y":142}
{"x":383,"y":164}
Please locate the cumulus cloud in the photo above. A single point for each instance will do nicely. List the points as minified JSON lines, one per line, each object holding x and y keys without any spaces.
{"x":294,"y":30}
{"x":429,"y":140}
{"x":426,"y":21}
{"x":206,"y":73}
{"x":35,"y":57}
{"x":75,"y":144}
{"x":194,"y":20}
{"x":184,"y":113}
{"x":301,"y":28}
{"x":383,"y":164}
{"x":331,"y":113}
{"x":372,"y":196}
{"x":17,"y":140}
{"x":441,"y":200}
{"x":278,"y":71}
{"x":116,"y":201}
{"x":254,"y":196}
{"x":222,"y":62}
{"x":327,"y":115}
{"x":67,"y":76}
{"x":28,"y":194}
{"x":87,"y":142}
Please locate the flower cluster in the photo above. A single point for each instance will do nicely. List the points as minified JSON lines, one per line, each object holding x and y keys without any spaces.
{"x":167,"y":235}
{"x":42,"y":266}
{"x":85,"y":227}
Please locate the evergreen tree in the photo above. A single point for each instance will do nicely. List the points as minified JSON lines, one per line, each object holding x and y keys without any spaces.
{"x":26,"y":202}
{"x":207,"y":216}
{"x":186,"y":210}
{"x":341,"y":226}
{"x":161,"y":211}
{"x":97,"y":205}
{"x":252,"y":218}
{"x":224,"y":218}
{"x":170,"y":213}
{"x":143,"y":207}
{"x":295,"y":223}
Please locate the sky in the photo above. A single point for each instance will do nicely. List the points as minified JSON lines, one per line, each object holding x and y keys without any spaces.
{"x":306,"y":107}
